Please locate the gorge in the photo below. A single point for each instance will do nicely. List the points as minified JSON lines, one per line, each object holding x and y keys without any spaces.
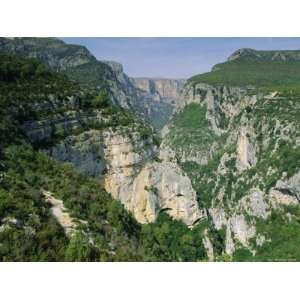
{"x":150,"y":169}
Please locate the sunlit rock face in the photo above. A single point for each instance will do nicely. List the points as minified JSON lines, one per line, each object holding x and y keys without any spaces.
{"x":146,"y":186}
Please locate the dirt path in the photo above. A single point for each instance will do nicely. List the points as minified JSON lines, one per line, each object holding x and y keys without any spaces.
{"x":60,"y":213}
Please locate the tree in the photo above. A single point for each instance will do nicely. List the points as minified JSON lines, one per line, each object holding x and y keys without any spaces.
{"x":101,"y":101}
{"x":41,"y":70}
{"x":79,"y":249}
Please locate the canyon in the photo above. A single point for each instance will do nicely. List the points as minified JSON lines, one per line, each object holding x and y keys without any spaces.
{"x":222,"y":158}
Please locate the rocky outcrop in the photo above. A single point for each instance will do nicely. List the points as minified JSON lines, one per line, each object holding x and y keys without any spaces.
{"x":146,"y":186}
{"x":287,"y":191}
{"x":237,"y":228}
{"x":254,"y":204}
{"x":208,"y":246}
{"x":291,"y":186}
{"x":60,"y":125}
{"x":282,"y":198}
{"x":246,"y":154}
{"x":241,"y":229}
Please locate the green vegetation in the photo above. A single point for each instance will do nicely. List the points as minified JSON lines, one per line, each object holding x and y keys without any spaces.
{"x":101,"y":100}
{"x":190,"y":131}
{"x":169,"y":240}
{"x":284,"y":108}
{"x":203,"y":179}
{"x":261,"y":72}
{"x":94,"y":74}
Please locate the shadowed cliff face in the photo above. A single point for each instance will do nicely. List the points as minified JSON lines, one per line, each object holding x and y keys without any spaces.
{"x":158,"y":97}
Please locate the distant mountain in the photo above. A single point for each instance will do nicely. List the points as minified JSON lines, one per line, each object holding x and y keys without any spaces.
{"x":162,"y":89}
{"x":266,"y":70}
{"x":53,"y":52}
{"x":266,"y":55}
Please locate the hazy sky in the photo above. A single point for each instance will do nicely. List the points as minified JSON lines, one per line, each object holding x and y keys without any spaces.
{"x":174,"y":57}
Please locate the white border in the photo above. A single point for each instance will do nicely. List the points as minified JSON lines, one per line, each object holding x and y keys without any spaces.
{"x":145,"y":281}
{"x":148,"y":281}
{"x":149,"y":18}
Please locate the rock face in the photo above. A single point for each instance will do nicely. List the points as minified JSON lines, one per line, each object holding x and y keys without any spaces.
{"x":241,"y":229}
{"x":291,"y":186}
{"x":208,"y":246}
{"x":158,"y":97}
{"x":145,"y":186}
{"x":167,"y":90}
{"x":287,"y":192}
{"x":245,"y":151}
{"x":255,"y":204}
{"x":84,"y":151}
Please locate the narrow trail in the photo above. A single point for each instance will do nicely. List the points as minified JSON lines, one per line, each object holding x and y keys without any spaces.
{"x":60,"y":213}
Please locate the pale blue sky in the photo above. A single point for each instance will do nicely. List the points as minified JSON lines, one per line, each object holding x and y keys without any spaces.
{"x":175,"y":57}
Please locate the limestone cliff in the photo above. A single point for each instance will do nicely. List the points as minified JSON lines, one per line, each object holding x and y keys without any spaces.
{"x":148,"y":186}
{"x":158,"y":97}
{"x":167,"y":90}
